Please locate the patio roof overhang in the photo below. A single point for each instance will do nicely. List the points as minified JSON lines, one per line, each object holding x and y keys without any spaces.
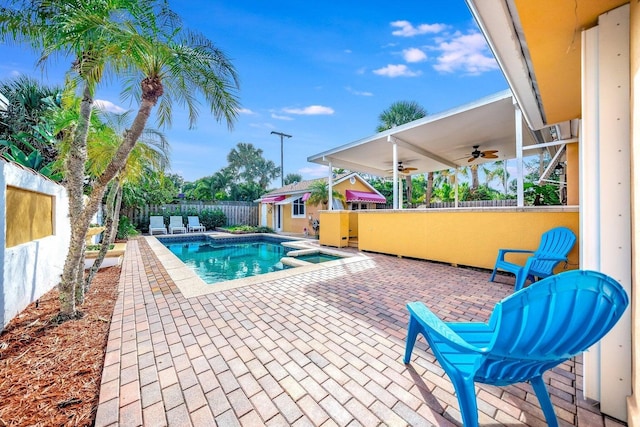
{"x":438,"y":141}
{"x":540,"y":62}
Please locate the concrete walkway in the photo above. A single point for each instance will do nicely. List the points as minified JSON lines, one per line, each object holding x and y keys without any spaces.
{"x":323,"y":348}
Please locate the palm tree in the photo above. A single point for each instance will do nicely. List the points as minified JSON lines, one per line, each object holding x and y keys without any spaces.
{"x":142,"y":40}
{"x":319,"y":193}
{"x":500,"y":173}
{"x":247,"y":163}
{"x":29,"y":103}
{"x":399,"y":113}
{"x":291,"y":178}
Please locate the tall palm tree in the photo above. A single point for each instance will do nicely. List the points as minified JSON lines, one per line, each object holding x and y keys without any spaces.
{"x":399,"y":113}
{"x":142,"y":41}
{"x":500,"y":173}
{"x":249,"y":164}
{"x":319,"y":193}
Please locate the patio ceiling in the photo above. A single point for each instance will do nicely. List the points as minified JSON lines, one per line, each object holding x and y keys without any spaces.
{"x":436,"y":142}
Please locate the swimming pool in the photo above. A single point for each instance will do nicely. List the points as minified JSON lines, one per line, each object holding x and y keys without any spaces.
{"x":219,"y":260}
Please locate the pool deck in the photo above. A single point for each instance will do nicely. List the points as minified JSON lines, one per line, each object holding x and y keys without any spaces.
{"x":319,"y":348}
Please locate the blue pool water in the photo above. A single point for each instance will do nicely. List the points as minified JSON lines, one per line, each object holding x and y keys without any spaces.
{"x":316,"y":258}
{"x":219,"y":260}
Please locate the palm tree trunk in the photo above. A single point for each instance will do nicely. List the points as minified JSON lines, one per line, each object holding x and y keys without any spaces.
{"x":429,"y":191}
{"x":409,"y":190}
{"x":74,"y":166}
{"x":116,"y":215}
{"x":106,"y":235}
{"x":475,"y":181}
{"x":119,"y":160}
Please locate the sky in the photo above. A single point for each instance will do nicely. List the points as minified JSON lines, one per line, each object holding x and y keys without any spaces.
{"x":321,"y":72}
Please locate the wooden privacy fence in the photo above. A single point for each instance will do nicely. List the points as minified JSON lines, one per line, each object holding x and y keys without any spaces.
{"x":237,"y":213}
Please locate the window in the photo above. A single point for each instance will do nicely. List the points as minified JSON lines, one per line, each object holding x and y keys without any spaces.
{"x":297,"y":209}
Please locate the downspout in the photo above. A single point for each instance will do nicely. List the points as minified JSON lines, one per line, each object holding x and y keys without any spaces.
{"x":519,"y":160}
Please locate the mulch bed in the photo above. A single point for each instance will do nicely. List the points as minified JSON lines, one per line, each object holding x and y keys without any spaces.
{"x":50,"y":373}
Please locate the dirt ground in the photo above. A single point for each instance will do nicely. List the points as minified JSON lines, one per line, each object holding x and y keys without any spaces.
{"x":50,"y":373}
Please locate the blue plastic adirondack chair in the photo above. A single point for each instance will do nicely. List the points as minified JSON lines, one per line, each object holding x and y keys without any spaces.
{"x":554,"y":247}
{"x":528,"y":333}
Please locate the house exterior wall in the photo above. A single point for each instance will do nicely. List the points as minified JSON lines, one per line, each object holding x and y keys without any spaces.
{"x":298,"y":225}
{"x":468,"y":237}
{"x":32,"y":268}
{"x":573,"y":175}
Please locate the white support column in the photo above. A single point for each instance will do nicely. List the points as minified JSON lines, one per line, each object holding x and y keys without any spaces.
{"x":330,"y":187}
{"x":519,"y":160}
{"x":605,"y":197}
{"x":395,"y":171}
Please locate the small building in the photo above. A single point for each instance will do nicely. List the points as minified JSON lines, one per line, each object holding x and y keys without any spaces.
{"x":287,"y":210}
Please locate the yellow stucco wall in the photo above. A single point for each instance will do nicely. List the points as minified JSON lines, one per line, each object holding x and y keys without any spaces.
{"x":573,"y":176}
{"x":29,"y":216}
{"x":462,"y":237}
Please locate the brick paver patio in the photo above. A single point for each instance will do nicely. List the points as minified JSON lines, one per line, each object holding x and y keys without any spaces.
{"x":322,"y":348}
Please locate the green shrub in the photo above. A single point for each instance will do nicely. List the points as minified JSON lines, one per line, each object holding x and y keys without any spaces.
{"x":126,"y":229}
{"x":212,"y":218}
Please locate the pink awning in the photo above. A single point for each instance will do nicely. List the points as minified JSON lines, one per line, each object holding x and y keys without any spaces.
{"x":306,"y":197}
{"x":272,"y":199}
{"x":364,"y":196}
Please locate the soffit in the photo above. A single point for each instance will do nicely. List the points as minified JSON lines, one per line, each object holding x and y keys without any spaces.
{"x":436,"y":142}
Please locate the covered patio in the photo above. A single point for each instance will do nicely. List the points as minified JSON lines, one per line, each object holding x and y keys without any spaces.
{"x":317,"y":349}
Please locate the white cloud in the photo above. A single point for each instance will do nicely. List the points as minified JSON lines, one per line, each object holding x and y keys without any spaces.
{"x":399,"y":70}
{"x":314,"y":172}
{"x":408,"y":30}
{"x":358,"y":92}
{"x":312,"y":110}
{"x":245,"y":111}
{"x":278,"y":117}
{"x":108,"y":106}
{"x":414,"y":54}
{"x":468,"y":53}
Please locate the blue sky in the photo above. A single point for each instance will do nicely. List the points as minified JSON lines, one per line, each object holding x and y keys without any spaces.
{"x":319,"y":72}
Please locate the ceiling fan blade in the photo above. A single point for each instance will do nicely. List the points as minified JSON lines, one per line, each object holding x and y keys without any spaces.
{"x":490,"y":156}
{"x":471,"y":159}
{"x":410,"y":169}
{"x":489,"y":152}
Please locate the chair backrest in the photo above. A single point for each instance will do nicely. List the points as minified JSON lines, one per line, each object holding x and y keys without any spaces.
{"x":556,"y":242}
{"x":156,"y":222}
{"x":194,"y":221}
{"x":548,"y":322}
{"x":176,"y":221}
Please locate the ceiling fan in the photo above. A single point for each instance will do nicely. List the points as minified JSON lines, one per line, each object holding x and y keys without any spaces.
{"x":404,"y":169}
{"x":486,"y":154}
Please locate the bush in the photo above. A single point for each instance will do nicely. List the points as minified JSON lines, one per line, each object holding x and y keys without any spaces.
{"x":212,"y":218}
{"x":240,"y":229}
{"x":125,"y":229}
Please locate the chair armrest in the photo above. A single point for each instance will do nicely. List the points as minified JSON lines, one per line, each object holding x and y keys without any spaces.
{"x":503,"y":252}
{"x":551,"y":258}
{"x":432,"y":324}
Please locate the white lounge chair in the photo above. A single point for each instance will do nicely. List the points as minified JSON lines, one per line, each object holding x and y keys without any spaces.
{"x":194,"y":224}
{"x":176,"y":224}
{"x":156,"y":223}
